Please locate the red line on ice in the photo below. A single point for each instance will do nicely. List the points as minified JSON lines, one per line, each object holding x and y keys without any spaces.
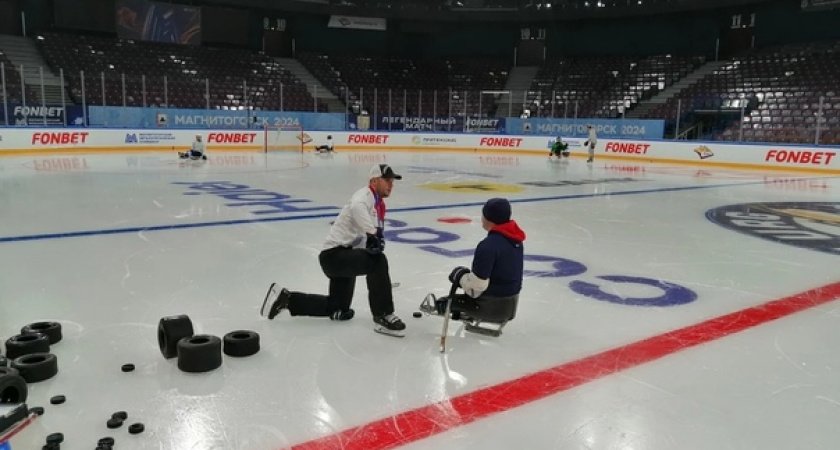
{"x":430,"y":420}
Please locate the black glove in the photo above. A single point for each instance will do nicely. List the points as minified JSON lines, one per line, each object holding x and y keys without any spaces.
{"x":458,"y":273}
{"x":374,"y":244}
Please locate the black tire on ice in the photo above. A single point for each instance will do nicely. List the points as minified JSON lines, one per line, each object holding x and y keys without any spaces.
{"x":25,"y":344}
{"x":199,"y":353}
{"x":171,"y":330}
{"x":13,"y":387}
{"x":51,"y":329}
{"x":241,"y":343}
{"x":36,"y":366}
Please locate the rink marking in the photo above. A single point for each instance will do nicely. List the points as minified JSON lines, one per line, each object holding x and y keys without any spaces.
{"x":180,"y":226}
{"x":427,"y":421}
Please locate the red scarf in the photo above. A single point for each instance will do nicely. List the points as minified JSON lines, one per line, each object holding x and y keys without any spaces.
{"x":379,"y":206}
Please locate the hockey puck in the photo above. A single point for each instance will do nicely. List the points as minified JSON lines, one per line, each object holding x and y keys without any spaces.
{"x":58,"y":399}
{"x":106,"y":441}
{"x":395,"y":285}
{"x":37,"y":410}
{"x":120,"y":415}
{"x":55,"y":438}
{"x":136,"y":428}
{"x":127,"y":368}
{"x":418,"y":314}
{"x":114,"y":423}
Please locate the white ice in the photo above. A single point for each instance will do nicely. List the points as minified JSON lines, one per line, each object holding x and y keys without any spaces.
{"x":106,"y":245}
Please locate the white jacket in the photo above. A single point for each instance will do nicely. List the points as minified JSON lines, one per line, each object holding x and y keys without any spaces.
{"x":354,"y":222}
{"x":198,"y":147}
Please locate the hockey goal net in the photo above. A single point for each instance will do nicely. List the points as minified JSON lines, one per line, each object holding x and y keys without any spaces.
{"x":283,"y":138}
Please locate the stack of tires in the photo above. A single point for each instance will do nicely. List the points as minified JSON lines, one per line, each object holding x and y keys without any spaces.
{"x":28,"y":353}
{"x":201,"y":352}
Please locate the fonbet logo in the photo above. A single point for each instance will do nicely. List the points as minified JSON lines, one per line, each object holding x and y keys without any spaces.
{"x":704,"y":152}
{"x":231,"y":138}
{"x":811,"y":225}
{"x":370,"y":139}
{"x":500,"y":142}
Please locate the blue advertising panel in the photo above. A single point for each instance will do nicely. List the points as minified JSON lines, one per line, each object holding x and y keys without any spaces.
{"x":606,"y":128}
{"x":38,"y":115}
{"x":137,"y":117}
{"x":426,"y":123}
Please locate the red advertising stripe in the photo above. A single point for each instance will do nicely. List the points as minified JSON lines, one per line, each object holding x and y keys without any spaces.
{"x":427,"y":421}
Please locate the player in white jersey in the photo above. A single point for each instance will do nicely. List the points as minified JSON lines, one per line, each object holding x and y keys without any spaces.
{"x":326,"y":148}
{"x":196,"y":151}
{"x":354,"y":246}
{"x":591,"y":142}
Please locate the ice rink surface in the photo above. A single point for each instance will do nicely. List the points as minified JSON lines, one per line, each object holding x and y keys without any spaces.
{"x":664,"y":307}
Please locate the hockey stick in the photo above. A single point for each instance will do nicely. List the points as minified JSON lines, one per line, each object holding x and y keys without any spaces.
{"x":446,"y":318}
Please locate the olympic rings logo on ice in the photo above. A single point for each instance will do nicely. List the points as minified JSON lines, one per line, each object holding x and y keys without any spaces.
{"x":429,"y":239}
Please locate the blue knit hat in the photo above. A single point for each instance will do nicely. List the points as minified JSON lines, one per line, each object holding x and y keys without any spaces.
{"x":496,"y":210}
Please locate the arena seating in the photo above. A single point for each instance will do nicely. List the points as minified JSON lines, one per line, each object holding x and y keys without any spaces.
{"x":12,"y":77}
{"x":603,"y":86}
{"x":781,"y":88}
{"x":231,"y":74}
{"x":412,"y":83}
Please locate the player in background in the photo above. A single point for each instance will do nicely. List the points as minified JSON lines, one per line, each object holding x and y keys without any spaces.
{"x":196,"y":151}
{"x":559,"y":149}
{"x":590,"y":142}
{"x":328,"y":148}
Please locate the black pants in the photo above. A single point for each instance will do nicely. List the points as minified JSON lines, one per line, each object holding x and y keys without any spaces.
{"x":342,"y":265}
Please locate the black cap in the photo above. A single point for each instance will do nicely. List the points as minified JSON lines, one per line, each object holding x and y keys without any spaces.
{"x":496,"y":210}
{"x":383,"y":171}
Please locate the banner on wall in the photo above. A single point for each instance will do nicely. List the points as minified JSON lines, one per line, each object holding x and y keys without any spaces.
{"x":144,"y":20}
{"x":358,"y":23}
{"x":137,"y":117}
{"x":606,"y":128}
{"x":426,"y":124}
{"x":37,"y":115}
